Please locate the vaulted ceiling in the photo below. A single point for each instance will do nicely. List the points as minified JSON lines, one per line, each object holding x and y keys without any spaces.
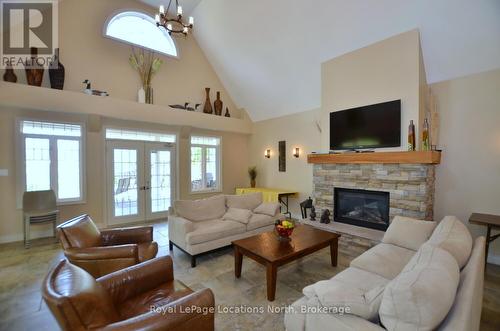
{"x":268,"y":54}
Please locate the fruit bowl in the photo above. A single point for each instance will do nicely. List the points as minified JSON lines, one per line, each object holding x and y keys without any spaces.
{"x":284,"y":228}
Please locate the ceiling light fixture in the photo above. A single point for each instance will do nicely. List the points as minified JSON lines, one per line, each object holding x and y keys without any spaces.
{"x":173,"y":24}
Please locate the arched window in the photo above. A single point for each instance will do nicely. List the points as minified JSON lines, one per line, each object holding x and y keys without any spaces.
{"x":139,"y":29}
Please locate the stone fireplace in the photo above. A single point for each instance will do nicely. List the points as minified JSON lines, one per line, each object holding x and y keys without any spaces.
{"x":361,"y":207}
{"x":410,"y":187}
{"x":376,"y":186}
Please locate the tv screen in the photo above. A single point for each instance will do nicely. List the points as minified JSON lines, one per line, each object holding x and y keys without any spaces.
{"x":373,"y":126}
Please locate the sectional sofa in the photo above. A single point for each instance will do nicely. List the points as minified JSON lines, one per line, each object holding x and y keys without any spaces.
{"x":201,"y":226}
{"x":421,"y":277}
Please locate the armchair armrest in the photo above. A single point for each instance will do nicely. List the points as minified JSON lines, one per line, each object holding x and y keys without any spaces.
{"x":177,"y":315}
{"x":133,"y":235}
{"x":129,"y":282}
{"x":103,"y":253}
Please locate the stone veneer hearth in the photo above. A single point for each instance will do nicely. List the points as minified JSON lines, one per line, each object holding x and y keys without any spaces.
{"x":411,"y":186}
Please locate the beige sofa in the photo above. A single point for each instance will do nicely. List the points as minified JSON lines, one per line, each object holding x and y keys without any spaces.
{"x":200,"y":226}
{"x":421,"y":277}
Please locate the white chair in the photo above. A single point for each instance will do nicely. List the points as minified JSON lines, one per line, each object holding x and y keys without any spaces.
{"x":39,"y":207}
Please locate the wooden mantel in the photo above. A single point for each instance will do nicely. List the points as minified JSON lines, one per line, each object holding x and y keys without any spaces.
{"x":427,"y":157}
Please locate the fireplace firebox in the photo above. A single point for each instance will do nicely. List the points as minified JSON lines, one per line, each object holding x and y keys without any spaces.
{"x":365,"y":208}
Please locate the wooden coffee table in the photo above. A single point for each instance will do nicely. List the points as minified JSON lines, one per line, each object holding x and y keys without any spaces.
{"x":268,"y":250}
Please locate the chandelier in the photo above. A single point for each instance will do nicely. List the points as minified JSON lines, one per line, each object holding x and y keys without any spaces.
{"x":173,"y":24}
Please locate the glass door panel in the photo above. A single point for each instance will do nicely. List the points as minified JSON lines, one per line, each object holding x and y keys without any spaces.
{"x":126,"y":195}
{"x":125,"y":182}
{"x":159,"y":186}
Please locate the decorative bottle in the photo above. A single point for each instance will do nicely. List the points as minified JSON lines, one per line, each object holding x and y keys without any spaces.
{"x":34,"y":72}
{"x":218,"y":105}
{"x":57,"y":72}
{"x":227,"y":113}
{"x":9,"y":75}
{"x":411,"y":137}
{"x":426,"y":144}
{"x":207,"y":109}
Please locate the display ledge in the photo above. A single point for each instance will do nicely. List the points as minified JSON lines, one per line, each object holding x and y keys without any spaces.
{"x":424,"y":157}
{"x":46,"y":99}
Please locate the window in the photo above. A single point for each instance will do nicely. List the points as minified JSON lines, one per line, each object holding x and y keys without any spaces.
{"x":205,"y":164}
{"x":139,"y":135}
{"x":140,"y":29}
{"x":52,"y":155}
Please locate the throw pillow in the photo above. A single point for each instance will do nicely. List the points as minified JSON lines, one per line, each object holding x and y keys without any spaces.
{"x":237,"y":215}
{"x":454,"y":237}
{"x":408,"y":232}
{"x":421,"y":296}
{"x":244,"y":201}
{"x":267,"y":208}
{"x":201,"y":210}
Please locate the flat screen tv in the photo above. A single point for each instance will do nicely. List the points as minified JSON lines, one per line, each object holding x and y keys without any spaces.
{"x":374,"y":126}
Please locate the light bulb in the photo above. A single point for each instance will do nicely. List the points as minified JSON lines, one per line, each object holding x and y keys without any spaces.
{"x":169,"y":27}
{"x":162,"y":9}
{"x":185,"y":30}
{"x":157,"y":18}
{"x":179,"y":10}
{"x":191,"y":20}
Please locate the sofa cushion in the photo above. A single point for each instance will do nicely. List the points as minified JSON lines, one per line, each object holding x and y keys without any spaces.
{"x":237,"y":215}
{"x":408,"y":232}
{"x":360,"y":278}
{"x":212,"y":230}
{"x":259,"y":220}
{"x":385,"y":260}
{"x":335,"y":293}
{"x":454,"y":237}
{"x":244,"y":201}
{"x":267,"y":208}
{"x":422,"y":295}
{"x":201,"y":210}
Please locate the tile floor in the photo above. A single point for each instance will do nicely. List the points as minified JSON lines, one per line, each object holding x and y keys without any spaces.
{"x":22,"y":270}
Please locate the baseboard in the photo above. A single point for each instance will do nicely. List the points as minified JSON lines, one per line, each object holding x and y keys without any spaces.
{"x":494,"y":259}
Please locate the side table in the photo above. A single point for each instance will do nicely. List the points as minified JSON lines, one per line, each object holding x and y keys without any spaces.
{"x":491,"y":222}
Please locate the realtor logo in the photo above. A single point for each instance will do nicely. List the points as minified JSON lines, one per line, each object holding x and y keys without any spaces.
{"x":28,"y":24}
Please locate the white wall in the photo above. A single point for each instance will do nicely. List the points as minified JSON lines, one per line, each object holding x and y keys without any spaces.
{"x":385,"y":71}
{"x":468,"y":179}
{"x":298,"y":130}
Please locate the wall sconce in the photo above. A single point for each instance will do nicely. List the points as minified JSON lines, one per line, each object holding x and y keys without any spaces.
{"x":267,"y":154}
{"x":296,"y":152}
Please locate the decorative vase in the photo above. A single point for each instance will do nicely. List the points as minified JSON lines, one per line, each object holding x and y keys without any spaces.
{"x":57,"y":72}
{"x":411,"y":137}
{"x":426,"y":142}
{"x":149,"y":95}
{"x":9,"y":75}
{"x":34,"y":72}
{"x":252,"y":183}
{"x":141,"y":95}
{"x":218,"y":105}
{"x":227,"y":113}
{"x":207,"y":109}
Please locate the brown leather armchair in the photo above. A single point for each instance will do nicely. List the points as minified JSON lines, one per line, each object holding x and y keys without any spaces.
{"x":123,"y":300}
{"x":102,"y":252}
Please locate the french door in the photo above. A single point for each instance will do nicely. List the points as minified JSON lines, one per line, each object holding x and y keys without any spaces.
{"x":140,"y":180}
